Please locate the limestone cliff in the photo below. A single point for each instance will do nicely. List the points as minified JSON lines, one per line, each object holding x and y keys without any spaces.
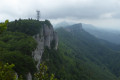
{"x":44,"y":38}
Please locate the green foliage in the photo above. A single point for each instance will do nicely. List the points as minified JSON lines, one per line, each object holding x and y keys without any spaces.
{"x":23,"y":63}
{"x":81,"y":56}
{"x":6,"y":72}
{"x":16,"y":48}
{"x":18,"y":41}
{"x":42,"y":73}
{"x":17,"y":44}
{"x":47,"y":22}
{"x":29,"y":27}
{"x":52,"y":44}
{"x":3,"y":26}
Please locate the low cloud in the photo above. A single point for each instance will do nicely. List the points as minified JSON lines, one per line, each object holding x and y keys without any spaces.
{"x":61,"y":9}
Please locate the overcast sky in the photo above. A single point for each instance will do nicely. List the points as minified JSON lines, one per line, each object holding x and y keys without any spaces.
{"x":102,"y":13}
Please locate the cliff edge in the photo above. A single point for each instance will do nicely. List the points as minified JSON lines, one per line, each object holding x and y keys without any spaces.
{"x":45,"y":38}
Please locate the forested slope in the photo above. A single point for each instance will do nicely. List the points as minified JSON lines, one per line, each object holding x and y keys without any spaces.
{"x":81,"y":56}
{"x":17,"y":44}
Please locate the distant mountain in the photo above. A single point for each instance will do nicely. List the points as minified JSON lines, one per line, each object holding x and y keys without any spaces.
{"x":82,"y":56}
{"x":79,"y":54}
{"x":63,"y":24}
{"x":23,"y":44}
{"x":109,"y":35}
{"x":112,"y":36}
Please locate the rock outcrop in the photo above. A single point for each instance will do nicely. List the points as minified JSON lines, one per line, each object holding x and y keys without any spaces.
{"x":29,"y":76}
{"x":44,"y":39}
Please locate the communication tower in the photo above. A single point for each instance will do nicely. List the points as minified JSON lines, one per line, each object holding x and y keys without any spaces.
{"x":38,"y":15}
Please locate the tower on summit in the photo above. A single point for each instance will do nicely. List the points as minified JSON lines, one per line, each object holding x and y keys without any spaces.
{"x":38,"y":15}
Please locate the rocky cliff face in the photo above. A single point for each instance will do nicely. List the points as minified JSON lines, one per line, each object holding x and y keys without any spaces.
{"x":44,"y":39}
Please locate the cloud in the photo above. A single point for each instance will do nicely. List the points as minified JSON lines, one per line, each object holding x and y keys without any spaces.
{"x":77,"y":10}
{"x":59,"y":8}
{"x":107,"y":15}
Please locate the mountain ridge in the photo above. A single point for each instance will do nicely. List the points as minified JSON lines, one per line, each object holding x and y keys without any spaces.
{"x":90,"y":47}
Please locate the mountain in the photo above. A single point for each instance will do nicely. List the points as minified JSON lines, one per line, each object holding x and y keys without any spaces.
{"x":82,"y":56}
{"x":63,"y":24}
{"x":23,"y":45}
{"x":112,"y":36}
{"x":71,"y":53}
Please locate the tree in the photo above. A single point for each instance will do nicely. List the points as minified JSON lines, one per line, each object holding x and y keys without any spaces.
{"x":3,"y":26}
{"x":42,"y":73}
{"x":7,"y":73}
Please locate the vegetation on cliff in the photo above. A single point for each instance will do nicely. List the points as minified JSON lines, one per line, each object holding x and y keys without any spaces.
{"x":3,"y":26}
{"x":16,"y":46}
{"x":29,"y":27}
{"x":81,"y":56}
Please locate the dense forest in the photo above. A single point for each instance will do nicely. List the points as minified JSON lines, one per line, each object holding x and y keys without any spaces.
{"x":17,"y":45}
{"x":80,"y":55}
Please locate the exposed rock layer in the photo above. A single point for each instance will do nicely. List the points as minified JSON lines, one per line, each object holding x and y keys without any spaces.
{"x":44,"y":39}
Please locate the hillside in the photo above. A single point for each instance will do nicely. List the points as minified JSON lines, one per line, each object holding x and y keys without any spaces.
{"x":77,"y":56}
{"x":112,"y":36}
{"x":23,"y":45}
{"x":81,"y":56}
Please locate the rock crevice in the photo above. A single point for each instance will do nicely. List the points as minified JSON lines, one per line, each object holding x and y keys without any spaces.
{"x":44,"y":39}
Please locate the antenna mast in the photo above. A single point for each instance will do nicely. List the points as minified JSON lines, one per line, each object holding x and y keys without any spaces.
{"x":38,"y":15}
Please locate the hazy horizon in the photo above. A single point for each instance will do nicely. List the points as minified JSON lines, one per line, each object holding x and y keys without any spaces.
{"x":104,"y":14}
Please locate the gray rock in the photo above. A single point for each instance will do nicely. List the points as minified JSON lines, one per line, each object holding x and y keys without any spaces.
{"x":29,"y":76}
{"x":44,"y":39}
{"x":56,"y":40}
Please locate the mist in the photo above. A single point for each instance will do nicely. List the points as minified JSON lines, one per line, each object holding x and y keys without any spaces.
{"x":103,"y":15}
